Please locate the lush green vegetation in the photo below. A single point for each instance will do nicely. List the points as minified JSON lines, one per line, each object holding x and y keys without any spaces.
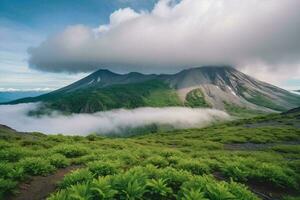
{"x":261,"y":100}
{"x":153,"y":93}
{"x":217,"y":162}
{"x":241,"y":112}
{"x":195,"y":98}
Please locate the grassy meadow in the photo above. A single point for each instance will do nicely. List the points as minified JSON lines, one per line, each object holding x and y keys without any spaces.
{"x":250,"y":159}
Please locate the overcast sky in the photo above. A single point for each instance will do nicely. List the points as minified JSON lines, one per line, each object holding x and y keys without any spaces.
{"x":53,"y":43}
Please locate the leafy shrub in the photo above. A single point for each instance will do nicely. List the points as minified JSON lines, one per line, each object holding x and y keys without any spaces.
{"x":75,"y":177}
{"x":71,"y":151}
{"x":144,"y":183}
{"x":5,"y":144}
{"x":192,"y":194}
{"x":74,"y":192}
{"x":11,"y":154}
{"x":276,"y":174}
{"x":80,"y":191}
{"x":236,"y":171}
{"x":134,"y":190}
{"x":5,"y":170}
{"x":241,"y":191}
{"x":60,"y":195}
{"x":128,"y":158}
{"x":158,"y":189}
{"x":173,"y":160}
{"x":169,"y":153}
{"x":196,"y":183}
{"x":131,"y":185}
{"x":99,"y":168}
{"x":59,"y":161}
{"x":174,"y":178}
{"x":157,"y":161}
{"x":6,"y":186}
{"x":91,"y":137}
{"x":193,"y":166}
{"x":244,"y":169}
{"x":218,"y":191}
{"x":36,"y":166}
{"x":84,"y":159}
{"x":102,"y":189}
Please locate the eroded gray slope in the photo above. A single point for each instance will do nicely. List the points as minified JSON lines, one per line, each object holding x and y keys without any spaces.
{"x":226,"y":84}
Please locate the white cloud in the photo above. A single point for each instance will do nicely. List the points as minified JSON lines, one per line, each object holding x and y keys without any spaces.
{"x":176,"y":35}
{"x":16,"y":117}
{"x":118,"y":17}
{"x":26,"y":90}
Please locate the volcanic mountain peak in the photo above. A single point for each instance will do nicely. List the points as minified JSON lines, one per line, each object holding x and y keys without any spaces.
{"x":217,"y":87}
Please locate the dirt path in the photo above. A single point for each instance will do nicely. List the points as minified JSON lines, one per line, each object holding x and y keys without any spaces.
{"x":39,"y":187}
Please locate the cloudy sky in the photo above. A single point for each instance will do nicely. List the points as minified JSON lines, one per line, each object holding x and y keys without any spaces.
{"x":50,"y":43}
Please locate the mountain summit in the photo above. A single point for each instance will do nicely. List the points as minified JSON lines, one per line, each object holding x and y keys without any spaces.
{"x":219,"y":87}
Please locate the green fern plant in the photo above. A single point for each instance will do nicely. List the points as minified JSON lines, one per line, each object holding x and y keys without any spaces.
{"x":80,"y":192}
{"x":240,"y":191}
{"x":193,"y":166}
{"x":59,"y":161}
{"x":99,"y":168}
{"x":71,"y":151}
{"x":218,"y":191}
{"x":36,"y":166}
{"x":18,"y":173}
{"x":134,"y":190}
{"x":60,"y":195}
{"x":192,"y":194}
{"x":102,"y":188}
{"x":75,"y":177}
{"x":174,"y":178}
{"x":157,"y":161}
{"x":7,"y":186}
{"x":158,"y":189}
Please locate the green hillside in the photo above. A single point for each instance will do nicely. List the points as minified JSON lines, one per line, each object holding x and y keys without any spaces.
{"x":195,"y":98}
{"x":152,"y":93}
{"x":249,"y":159}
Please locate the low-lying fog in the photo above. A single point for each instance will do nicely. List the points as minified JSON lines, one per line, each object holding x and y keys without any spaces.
{"x":106,"y":122}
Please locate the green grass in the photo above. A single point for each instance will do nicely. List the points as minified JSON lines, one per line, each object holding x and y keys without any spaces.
{"x":179,"y":164}
{"x":241,"y":112}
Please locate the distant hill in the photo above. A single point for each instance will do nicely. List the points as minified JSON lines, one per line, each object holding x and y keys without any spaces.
{"x":219,"y":87}
{"x":13,"y":95}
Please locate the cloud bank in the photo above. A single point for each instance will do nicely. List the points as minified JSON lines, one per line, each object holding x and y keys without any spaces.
{"x":260,"y":36}
{"x":113,"y":121}
{"x":26,"y":90}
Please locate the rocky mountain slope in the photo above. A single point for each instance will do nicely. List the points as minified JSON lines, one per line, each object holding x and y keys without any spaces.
{"x":219,"y":87}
